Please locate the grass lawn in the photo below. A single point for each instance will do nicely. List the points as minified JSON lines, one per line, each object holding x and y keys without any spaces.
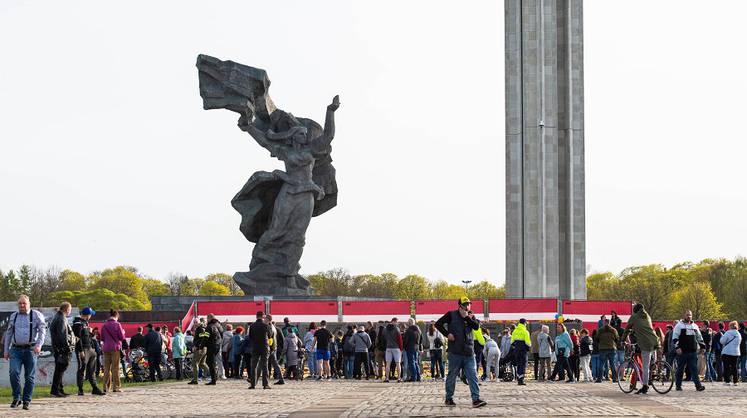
{"x":6,"y":395}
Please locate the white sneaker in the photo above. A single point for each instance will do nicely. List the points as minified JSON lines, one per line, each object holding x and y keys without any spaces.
{"x":727,"y":384}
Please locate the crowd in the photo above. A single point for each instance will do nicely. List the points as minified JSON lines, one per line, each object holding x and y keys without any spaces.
{"x":455,"y":347}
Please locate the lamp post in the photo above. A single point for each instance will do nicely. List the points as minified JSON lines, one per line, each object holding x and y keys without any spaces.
{"x":466,"y":285}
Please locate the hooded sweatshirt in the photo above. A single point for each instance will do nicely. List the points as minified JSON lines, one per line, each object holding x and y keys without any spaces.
{"x":392,"y":337}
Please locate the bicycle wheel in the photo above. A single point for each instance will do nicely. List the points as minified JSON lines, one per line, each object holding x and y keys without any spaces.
{"x":662,"y":377}
{"x":624,"y":373}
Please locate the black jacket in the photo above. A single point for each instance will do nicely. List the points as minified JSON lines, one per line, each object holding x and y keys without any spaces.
{"x":201,"y":337}
{"x":259,"y":332}
{"x":461,"y":328}
{"x":137,"y":341}
{"x":83,"y":332}
{"x":62,"y":334}
{"x":153,"y":343}
{"x":216,"y":334}
{"x":411,"y":341}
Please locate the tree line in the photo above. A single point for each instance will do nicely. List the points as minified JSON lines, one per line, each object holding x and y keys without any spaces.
{"x":711,"y":289}
{"x":121,"y":287}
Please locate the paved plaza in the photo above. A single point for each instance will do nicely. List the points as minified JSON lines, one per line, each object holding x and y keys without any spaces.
{"x":374,"y":399}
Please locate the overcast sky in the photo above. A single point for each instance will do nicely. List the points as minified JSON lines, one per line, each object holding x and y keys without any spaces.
{"x":107,"y":157}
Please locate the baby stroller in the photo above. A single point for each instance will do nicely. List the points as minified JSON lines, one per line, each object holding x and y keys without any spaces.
{"x":137,"y":371}
{"x":506,"y":367}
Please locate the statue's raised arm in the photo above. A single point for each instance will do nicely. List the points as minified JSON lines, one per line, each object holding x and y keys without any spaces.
{"x":320,"y":145}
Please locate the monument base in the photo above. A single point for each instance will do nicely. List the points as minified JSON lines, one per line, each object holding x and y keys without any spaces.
{"x":289,"y":286}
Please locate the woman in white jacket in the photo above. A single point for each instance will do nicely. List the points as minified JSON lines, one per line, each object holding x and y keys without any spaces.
{"x":730,"y":352}
{"x":492,"y":353}
{"x":436,"y":345}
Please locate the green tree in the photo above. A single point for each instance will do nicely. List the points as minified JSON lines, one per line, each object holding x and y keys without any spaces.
{"x":72,"y":280}
{"x":154,"y":287}
{"x":602,"y":286}
{"x":121,"y":279}
{"x":24,"y":278}
{"x":699,"y":299}
{"x":485,"y":290}
{"x":10,"y":286}
{"x":98,"y":299}
{"x":445,"y":290}
{"x":413,"y":287}
{"x":211,"y":288}
{"x":227,"y":281}
{"x":335,"y":282}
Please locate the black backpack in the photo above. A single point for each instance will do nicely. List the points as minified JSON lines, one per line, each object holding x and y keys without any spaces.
{"x":349,"y":346}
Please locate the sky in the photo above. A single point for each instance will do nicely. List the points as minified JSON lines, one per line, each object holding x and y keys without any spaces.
{"x":107,"y":157}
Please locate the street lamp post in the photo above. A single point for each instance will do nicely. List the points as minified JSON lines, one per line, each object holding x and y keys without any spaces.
{"x":466,"y":285}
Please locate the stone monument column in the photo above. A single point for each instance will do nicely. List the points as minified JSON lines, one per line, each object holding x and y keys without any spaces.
{"x":545,"y":221}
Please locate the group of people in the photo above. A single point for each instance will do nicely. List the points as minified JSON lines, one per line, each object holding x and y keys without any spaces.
{"x":384,"y":351}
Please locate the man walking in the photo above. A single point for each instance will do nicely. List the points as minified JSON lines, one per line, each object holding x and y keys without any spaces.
{"x":62,"y":347}
{"x":215,"y":338}
{"x":199,"y":350}
{"x":259,"y":334}
{"x":85,"y":352}
{"x":23,"y":341}
{"x":457,"y":325}
{"x":154,"y":349}
{"x":687,"y":341}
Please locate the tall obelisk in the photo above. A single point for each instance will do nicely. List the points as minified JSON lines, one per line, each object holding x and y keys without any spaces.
{"x":545,"y":220}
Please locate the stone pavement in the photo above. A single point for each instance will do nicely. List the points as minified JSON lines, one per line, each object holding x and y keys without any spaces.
{"x":311,"y":399}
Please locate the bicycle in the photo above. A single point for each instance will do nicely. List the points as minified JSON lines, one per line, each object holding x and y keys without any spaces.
{"x":661,"y":377}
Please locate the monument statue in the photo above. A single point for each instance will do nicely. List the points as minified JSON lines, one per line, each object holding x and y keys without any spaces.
{"x":276,"y":207}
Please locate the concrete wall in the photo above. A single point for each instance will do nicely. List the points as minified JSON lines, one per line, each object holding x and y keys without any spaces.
{"x":545,"y":232}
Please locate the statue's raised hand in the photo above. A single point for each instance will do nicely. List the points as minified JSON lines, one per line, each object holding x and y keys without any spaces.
{"x":335,"y":103}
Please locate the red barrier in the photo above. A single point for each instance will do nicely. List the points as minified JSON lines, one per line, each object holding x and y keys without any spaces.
{"x":431,"y":310}
{"x":304,"y":311}
{"x":592,"y":310}
{"x":375,"y":311}
{"x":515,"y":309}
{"x":235,"y":311}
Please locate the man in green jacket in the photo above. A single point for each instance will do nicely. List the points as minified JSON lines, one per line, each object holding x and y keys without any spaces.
{"x":640,"y":326}
{"x":607,"y":337}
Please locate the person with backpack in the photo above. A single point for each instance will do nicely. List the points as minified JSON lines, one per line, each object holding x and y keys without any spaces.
{"x":458,"y":326}
{"x":435,"y":345}
{"x":585,"y":347}
{"x":24,"y":338}
{"x":362,"y":342}
{"x":214,"y":341}
{"x":85,"y":352}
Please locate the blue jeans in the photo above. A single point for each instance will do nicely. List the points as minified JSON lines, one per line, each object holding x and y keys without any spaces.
{"x":22,"y":357}
{"x":608,"y":356}
{"x":595,"y":366}
{"x":691,"y":361}
{"x":457,"y":363}
{"x":311,"y":363}
{"x":743,"y":366}
{"x":413,"y":364}
{"x":619,"y":359}
{"x":349,"y":360}
{"x":710,"y":373}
